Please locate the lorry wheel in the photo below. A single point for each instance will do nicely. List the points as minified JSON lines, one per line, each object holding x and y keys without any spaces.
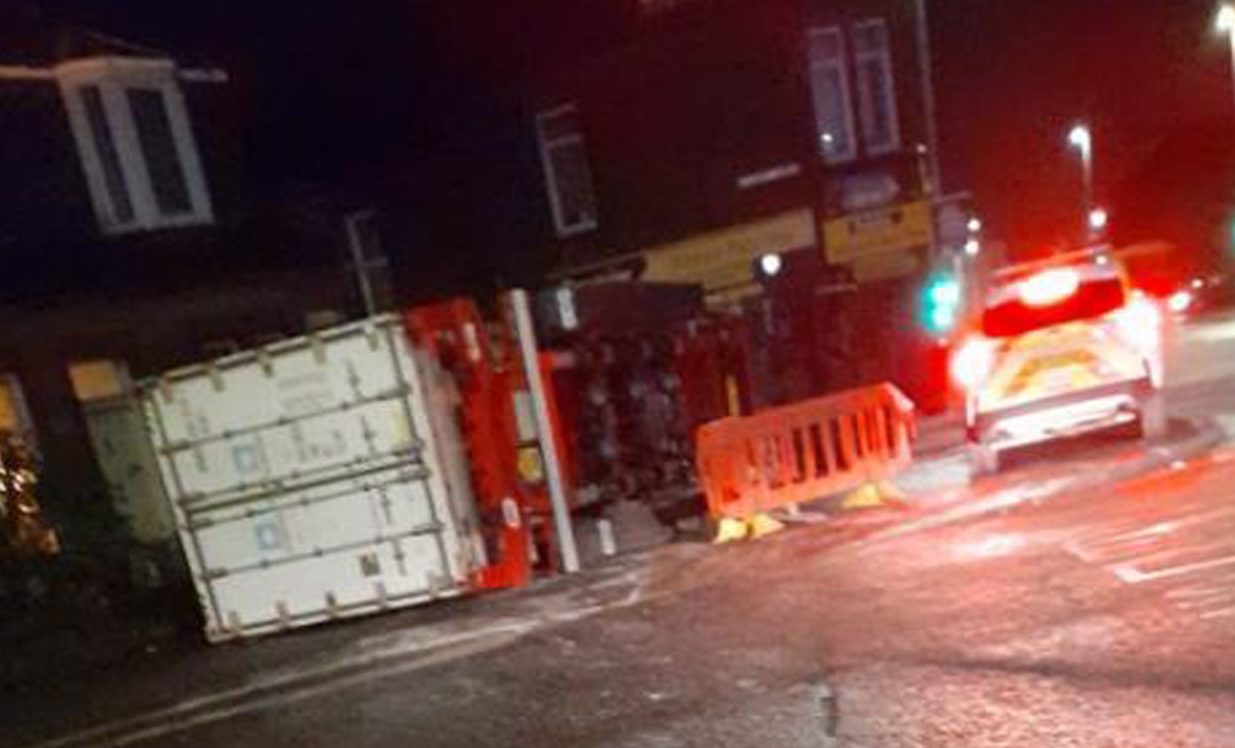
{"x":1153,"y":417}
{"x":983,"y":460}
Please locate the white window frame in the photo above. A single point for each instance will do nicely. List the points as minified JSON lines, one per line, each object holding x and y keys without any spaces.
{"x":561,"y":227}
{"x":114,"y":77}
{"x":866,"y":92}
{"x":840,"y":65}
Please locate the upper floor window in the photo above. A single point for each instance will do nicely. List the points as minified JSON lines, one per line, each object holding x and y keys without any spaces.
{"x":568,"y":176}
{"x":131,"y":126}
{"x":876,"y":90}
{"x":829,"y":85}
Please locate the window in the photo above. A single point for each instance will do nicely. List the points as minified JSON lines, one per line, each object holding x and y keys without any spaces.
{"x":876,"y":88}
{"x":568,"y":177}
{"x":105,"y":148}
{"x":14,"y":411}
{"x":829,"y":84}
{"x":137,"y":151}
{"x":99,"y":379}
{"x":158,"y":145}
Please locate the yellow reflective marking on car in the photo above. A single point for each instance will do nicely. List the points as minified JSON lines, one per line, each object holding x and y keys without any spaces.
{"x":1042,"y":374}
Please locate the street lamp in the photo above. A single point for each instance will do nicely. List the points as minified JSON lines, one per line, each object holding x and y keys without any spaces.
{"x":1098,"y":219}
{"x":1225,"y":24}
{"x":1080,"y":138}
{"x":771,"y":264}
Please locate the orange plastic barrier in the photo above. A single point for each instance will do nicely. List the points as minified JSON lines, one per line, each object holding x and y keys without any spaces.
{"x":804,"y":451}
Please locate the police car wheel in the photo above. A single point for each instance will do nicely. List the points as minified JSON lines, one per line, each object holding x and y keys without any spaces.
{"x":1153,"y":417}
{"x":983,"y":460}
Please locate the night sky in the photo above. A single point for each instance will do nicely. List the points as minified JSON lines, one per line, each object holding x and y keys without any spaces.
{"x":1011,"y":76}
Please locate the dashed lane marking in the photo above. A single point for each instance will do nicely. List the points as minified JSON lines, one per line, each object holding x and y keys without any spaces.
{"x":1137,"y":555}
{"x":1130,"y":574}
{"x":1218,"y":613}
{"x":1214,"y":586}
{"x":1101,"y":547}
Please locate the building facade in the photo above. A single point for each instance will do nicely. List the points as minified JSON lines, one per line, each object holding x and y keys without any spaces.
{"x":131,"y":241}
{"x":718,"y":131}
{"x":778,"y":154}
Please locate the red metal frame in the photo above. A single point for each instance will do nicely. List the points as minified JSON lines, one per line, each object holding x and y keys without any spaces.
{"x":457,"y":335}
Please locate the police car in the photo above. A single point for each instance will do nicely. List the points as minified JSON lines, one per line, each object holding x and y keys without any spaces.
{"x":1059,"y":348}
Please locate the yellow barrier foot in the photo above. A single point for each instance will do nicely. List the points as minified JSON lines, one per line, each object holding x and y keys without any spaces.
{"x":762,"y":524}
{"x":865,"y":497}
{"x":729,"y":530}
{"x":892,"y":494}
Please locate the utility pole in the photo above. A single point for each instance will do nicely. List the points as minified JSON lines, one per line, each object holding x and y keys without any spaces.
{"x":526,"y":333}
{"x":926,"y":71}
{"x":1080,"y":137}
{"x":1225,"y":24}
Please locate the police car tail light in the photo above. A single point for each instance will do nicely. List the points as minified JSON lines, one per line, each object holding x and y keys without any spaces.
{"x":972,"y":362}
{"x":1049,"y":287}
{"x":1139,"y":322}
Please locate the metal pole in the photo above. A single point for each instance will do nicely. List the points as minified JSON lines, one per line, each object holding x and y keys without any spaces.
{"x":1231,"y":34}
{"x":358,"y":260}
{"x":925,"y":70}
{"x":1087,"y":197}
{"x":544,"y":430}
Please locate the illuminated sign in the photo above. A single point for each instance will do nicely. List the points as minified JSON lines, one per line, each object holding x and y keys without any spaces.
{"x":857,"y":237}
{"x":723,"y":261}
{"x":880,"y":244}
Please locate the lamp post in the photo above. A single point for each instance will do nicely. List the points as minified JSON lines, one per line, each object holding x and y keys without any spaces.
{"x":1080,"y":138}
{"x":1224,"y":22}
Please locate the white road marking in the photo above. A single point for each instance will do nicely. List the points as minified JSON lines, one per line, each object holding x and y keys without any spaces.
{"x":1220,"y":613}
{"x":1109,"y":549}
{"x":1091,"y":547}
{"x":1214,"y":584}
{"x":1129,"y":574}
{"x":404,"y":654}
{"x":1202,"y":605}
{"x":1203,"y":602}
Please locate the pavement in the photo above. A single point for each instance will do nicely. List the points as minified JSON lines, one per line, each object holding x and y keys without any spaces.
{"x":1084,"y":598}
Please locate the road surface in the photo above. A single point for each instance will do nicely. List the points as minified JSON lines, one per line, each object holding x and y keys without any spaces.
{"x":1086,"y":598}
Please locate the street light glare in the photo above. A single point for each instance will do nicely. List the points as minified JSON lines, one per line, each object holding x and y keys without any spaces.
{"x":1079,"y":137}
{"x":1225,"y":21}
{"x":1098,"y":219}
{"x":771,"y":264}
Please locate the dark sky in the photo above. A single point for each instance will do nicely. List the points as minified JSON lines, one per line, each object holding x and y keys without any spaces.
{"x":1011,"y":76}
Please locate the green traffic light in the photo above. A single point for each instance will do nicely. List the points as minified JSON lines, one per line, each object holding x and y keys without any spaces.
{"x":945,"y":292}
{"x":943,"y":301}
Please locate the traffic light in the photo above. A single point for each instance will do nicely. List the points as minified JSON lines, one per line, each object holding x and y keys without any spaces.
{"x":941,"y":303}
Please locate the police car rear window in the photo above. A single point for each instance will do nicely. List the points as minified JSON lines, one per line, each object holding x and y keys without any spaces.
{"x":1008,"y":314}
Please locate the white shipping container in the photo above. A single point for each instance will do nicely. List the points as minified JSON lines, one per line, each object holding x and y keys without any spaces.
{"x":308,"y":480}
